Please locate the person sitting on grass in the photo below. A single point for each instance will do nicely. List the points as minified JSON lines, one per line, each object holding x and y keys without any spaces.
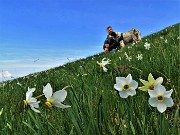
{"x":112,"y":41}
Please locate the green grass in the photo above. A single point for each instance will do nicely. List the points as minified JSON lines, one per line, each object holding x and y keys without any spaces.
{"x":96,"y":107}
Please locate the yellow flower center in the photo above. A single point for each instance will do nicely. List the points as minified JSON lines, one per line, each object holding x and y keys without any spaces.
{"x":49,"y":104}
{"x":126,"y":87}
{"x":151,"y":87}
{"x":25,"y":102}
{"x":101,"y":65}
{"x":160,"y":98}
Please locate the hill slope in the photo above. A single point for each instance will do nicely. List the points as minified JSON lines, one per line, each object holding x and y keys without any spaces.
{"x":96,"y":107}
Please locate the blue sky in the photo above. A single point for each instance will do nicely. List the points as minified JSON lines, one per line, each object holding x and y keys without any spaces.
{"x":36,"y":35}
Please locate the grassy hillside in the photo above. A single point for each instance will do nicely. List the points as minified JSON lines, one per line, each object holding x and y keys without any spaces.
{"x":96,"y":107}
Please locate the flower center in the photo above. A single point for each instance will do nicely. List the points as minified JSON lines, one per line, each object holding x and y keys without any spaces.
{"x":126,"y":87}
{"x":100,"y":64}
{"x":160,"y":98}
{"x":151,"y":87}
{"x":25,"y":102}
{"x":49,"y":105}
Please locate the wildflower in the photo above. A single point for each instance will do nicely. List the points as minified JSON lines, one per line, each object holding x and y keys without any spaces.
{"x":147,"y":46}
{"x":128,"y":57}
{"x":19,"y":84}
{"x":126,"y":86}
{"x":1,"y":111}
{"x":160,"y":98}
{"x":166,"y":41}
{"x":161,"y":37}
{"x":150,"y":83}
{"x":126,"y":54}
{"x":31,"y":101}
{"x":139,"y":57}
{"x":133,"y":44}
{"x":55,"y":99}
{"x":104,"y":63}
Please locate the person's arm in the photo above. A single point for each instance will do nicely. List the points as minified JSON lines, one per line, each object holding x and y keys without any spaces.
{"x":106,"y":44}
{"x":106,"y":50}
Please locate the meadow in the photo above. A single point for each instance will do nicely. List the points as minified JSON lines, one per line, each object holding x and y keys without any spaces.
{"x":96,"y":106}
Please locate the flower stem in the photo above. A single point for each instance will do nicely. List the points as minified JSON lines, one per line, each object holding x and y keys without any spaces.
{"x":161,"y":124}
{"x":67,"y":87}
{"x":39,"y":96}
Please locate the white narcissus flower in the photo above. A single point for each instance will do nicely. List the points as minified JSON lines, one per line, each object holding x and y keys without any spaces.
{"x":139,"y":57}
{"x":31,"y":101}
{"x":104,"y":63}
{"x":161,"y":37}
{"x":55,"y":99}
{"x":126,"y":86}
{"x":150,"y":83}
{"x":160,"y":98}
{"x":126,"y":54}
{"x":128,"y":57}
{"x":166,"y":41}
{"x":147,"y":46}
{"x":19,"y":84}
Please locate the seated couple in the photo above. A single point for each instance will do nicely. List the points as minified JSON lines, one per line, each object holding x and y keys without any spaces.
{"x":112,"y":40}
{"x":117,"y":40}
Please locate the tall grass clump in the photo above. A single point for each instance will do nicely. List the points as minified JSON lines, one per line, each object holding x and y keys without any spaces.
{"x":96,"y":106}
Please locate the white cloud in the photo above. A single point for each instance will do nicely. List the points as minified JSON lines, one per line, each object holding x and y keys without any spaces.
{"x":9,"y":61}
{"x":5,"y":74}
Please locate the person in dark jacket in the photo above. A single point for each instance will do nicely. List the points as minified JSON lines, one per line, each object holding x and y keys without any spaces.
{"x":112,"y":40}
